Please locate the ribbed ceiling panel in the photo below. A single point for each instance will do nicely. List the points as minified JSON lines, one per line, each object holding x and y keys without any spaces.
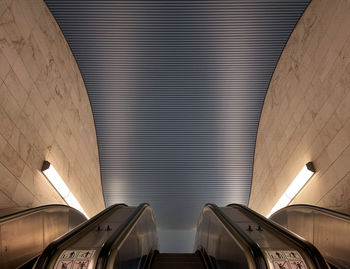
{"x":176,"y":89}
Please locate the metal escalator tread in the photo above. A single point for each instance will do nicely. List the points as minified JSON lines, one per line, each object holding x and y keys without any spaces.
{"x":178,"y":260}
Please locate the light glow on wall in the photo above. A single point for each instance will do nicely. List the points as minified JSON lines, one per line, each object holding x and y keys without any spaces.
{"x":297,"y":184}
{"x":58,"y":183}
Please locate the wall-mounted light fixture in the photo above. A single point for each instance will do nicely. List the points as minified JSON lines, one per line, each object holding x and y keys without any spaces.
{"x":58,"y":183}
{"x":297,"y":184}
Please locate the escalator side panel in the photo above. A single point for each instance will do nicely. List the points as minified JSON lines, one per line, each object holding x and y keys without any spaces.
{"x":96,"y":238}
{"x":328,"y":230}
{"x":52,"y":225}
{"x":25,"y":234}
{"x":273,"y":238}
{"x":17,"y":245}
{"x":117,"y":237}
{"x":89,"y":238}
{"x":134,"y":241}
{"x":217,"y":241}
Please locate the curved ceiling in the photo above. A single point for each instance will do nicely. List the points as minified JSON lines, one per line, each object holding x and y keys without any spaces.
{"x":176,"y":89}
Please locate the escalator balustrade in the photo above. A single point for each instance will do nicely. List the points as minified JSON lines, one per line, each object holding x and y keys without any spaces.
{"x":25,"y":233}
{"x":237,"y":237}
{"x":123,"y":237}
{"x":328,"y":230}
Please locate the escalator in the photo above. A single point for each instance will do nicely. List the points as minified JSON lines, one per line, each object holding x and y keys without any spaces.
{"x":121,"y":236}
{"x":328,"y":230}
{"x":237,"y":237}
{"x":25,"y":233}
{"x":227,"y":237}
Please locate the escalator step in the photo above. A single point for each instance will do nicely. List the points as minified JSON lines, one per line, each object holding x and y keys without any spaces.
{"x":172,"y":261}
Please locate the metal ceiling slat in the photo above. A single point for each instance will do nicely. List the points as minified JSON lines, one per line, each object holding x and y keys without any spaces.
{"x":176,"y":89}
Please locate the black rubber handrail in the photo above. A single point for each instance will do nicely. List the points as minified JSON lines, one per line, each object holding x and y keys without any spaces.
{"x":50,"y":250}
{"x":253,"y":247}
{"x":33,"y":210}
{"x":150,"y":259}
{"x":119,"y":234}
{"x":28,"y":264}
{"x":205,"y":258}
{"x":310,"y":249}
{"x":314,"y":207}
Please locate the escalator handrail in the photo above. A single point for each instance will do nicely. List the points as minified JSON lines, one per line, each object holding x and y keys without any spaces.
{"x":254,"y":249}
{"x":206,"y":260}
{"x":53,"y":246}
{"x":313,"y":207}
{"x":150,"y":259}
{"x":26,"y":212}
{"x":310,"y":249}
{"x":118,"y":235}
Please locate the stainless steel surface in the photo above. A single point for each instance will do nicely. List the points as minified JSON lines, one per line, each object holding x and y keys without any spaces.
{"x":238,"y":237}
{"x":24,"y":234}
{"x":119,"y":235}
{"x":137,"y":239}
{"x":221,"y":242}
{"x":268,"y":237}
{"x":328,"y":230}
{"x":9,"y":211}
{"x":90,"y":236}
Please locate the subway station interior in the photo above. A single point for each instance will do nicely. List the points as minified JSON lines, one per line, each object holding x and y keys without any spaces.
{"x":150,"y":134}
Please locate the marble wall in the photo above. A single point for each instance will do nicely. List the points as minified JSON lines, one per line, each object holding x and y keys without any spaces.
{"x":45,"y":112}
{"x":306,"y":114}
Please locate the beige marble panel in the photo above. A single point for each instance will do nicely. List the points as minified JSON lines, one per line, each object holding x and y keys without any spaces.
{"x":5,"y":201}
{"x":4,"y":66}
{"x":306,"y":114}
{"x":334,"y":199}
{"x":45,"y":112}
